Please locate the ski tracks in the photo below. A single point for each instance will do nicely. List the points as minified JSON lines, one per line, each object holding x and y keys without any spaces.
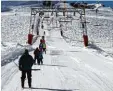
{"x":8,"y":72}
{"x":95,"y":79}
{"x":67,"y":81}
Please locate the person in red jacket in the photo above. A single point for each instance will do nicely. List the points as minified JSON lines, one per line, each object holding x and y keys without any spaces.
{"x":42,"y":40}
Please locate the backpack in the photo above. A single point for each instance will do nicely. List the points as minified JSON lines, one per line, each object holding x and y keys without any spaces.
{"x":44,"y":45}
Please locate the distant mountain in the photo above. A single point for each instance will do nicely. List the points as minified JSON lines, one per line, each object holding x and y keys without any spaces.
{"x":11,"y":3}
{"x":17,"y":3}
{"x":5,"y":9}
{"x":5,"y":5}
{"x":106,"y":3}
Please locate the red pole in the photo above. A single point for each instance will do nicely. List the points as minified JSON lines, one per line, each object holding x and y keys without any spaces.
{"x":30,"y":38}
{"x":85,"y":37}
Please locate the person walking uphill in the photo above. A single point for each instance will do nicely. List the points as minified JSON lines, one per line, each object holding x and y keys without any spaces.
{"x":43,"y":39}
{"x":42,"y":44}
{"x":36,"y":53}
{"x":40,"y":58}
{"x":25,"y":64}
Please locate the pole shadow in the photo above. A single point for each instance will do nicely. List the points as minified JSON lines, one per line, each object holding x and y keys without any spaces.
{"x":52,"y":89}
{"x":35,"y":69}
{"x":54,"y":65}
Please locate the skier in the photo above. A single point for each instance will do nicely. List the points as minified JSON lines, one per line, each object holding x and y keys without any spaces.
{"x":42,"y":26}
{"x":36,"y":53}
{"x":44,"y":33}
{"x":25,"y":65}
{"x":61,"y":33}
{"x":37,"y":32}
{"x":43,"y":37}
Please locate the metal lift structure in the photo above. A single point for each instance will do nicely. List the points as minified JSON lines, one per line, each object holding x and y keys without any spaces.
{"x":39,"y":11}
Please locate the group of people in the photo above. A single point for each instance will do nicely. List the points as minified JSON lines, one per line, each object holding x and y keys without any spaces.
{"x":38,"y":53}
{"x":26,"y":61}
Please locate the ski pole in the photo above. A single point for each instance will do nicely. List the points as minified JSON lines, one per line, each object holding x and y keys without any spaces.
{"x":15,"y":64}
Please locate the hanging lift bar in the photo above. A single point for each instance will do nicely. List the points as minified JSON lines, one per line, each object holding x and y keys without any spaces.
{"x":36,"y":10}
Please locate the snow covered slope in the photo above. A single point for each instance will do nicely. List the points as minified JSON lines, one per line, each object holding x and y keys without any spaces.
{"x":65,"y":68}
{"x":68,"y":65}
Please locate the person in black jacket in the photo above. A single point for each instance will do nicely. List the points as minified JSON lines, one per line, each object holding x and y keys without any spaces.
{"x":40,"y":57}
{"x":25,"y":64}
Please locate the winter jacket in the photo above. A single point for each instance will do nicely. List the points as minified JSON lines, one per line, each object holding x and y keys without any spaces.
{"x":36,"y":51}
{"x":25,"y":62}
{"x":40,"y":55}
{"x":42,"y":41}
{"x":41,"y":46}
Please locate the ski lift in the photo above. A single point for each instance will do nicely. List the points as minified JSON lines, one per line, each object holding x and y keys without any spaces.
{"x":74,"y":13}
{"x":32,"y":27}
{"x":65,"y":20}
{"x":46,"y":17}
{"x":41,"y":13}
{"x":69,"y":17}
{"x":84,"y":22}
{"x":56,"y":14}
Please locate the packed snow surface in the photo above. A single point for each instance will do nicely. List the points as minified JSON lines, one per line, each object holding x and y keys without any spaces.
{"x":68,"y":65}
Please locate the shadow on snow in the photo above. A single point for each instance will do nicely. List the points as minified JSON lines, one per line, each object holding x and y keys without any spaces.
{"x":35,"y":69}
{"x":52,"y":89}
{"x":54,"y":65}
